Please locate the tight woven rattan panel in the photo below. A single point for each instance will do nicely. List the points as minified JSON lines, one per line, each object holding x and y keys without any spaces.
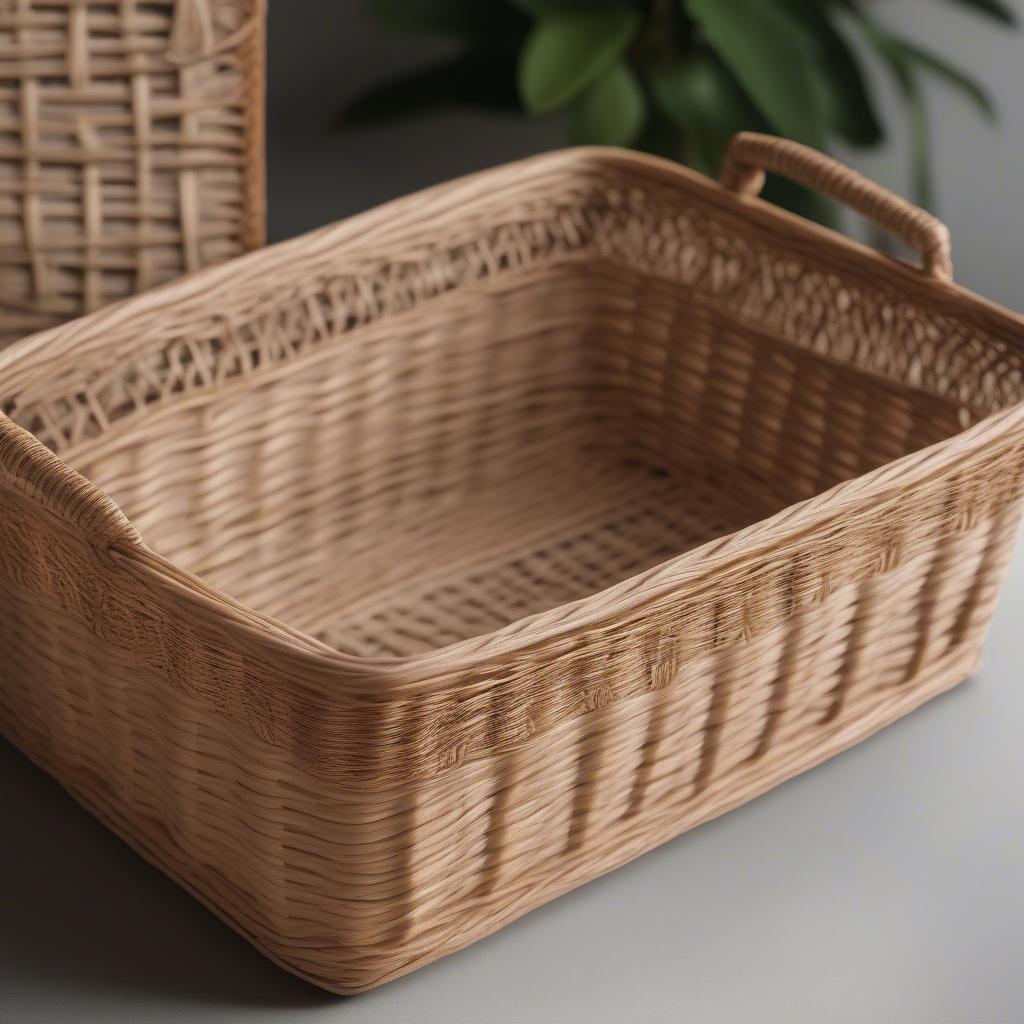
{"x":383,"y":584}
{"x":130,"y":148}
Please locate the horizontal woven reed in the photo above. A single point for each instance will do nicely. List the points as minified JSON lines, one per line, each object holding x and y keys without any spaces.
{"x":131,"y":148}
{"x":383,"y":584}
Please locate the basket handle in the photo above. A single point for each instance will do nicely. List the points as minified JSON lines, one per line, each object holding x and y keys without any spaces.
{"x":751,"y":154}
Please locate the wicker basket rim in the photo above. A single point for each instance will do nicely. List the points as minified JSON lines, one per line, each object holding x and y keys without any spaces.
{"x":38,"y":471}
{"x":966,"y":305}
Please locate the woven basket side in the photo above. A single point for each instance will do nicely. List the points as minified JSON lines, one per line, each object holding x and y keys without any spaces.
{"x":345,"y":721}
{"x":457,"y":854}
{"x":792,"y":280}
{"x":508,"y":833}
{"x":136,"y":149}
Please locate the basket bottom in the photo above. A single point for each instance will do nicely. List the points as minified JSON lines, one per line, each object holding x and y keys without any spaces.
{"x":523,"y":547}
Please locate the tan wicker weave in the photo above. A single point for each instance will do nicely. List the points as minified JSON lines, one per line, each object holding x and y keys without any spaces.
{"x":131,"y":148}
{"x":561,"y":508}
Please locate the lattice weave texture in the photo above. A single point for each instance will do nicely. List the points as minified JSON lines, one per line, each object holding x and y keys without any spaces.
{"x":130,"y":148}
{"x":415,"y":571}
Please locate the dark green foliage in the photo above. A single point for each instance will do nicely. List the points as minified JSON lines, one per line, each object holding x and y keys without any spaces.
{"x":612,"y":110}
{"x":569,"y":50}
{"x":677,"y":77}
{"x":770,"y":52}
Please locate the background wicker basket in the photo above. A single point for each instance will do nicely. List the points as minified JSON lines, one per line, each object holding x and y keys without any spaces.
{"x":131,"y":149}
{"x":495,"y":536}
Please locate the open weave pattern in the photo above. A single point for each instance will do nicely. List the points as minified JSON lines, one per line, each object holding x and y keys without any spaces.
{"x":130,"y":148}
{"x":560,"y":509}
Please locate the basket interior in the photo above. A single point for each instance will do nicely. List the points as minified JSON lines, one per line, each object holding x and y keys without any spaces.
{"x":604,"y":385}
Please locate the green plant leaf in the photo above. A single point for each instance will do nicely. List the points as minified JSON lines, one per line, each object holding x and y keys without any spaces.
{"x":447,"y":17}
{"x":483,"y":80}
{"x":993,"y":8}
{"x":847,"y":102}
{"x":930,"y":62}
{"x":611,"y":111}
{"x":767,"y":52}
{"x":706,"y":102}
{"x":567,"y":51}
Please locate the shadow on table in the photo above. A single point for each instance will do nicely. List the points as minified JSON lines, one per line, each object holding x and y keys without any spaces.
{"x":79,"y":908}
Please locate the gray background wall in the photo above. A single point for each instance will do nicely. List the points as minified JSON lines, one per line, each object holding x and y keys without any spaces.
{"x":884,"y":886}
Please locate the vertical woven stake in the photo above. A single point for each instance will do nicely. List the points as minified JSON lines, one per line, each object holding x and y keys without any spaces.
{"x":131,"y":152}
{"x":192,"y":30}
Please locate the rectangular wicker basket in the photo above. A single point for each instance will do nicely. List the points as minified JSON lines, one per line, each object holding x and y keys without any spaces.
{"x":381,"y":585}
{"x":131,"y":148}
